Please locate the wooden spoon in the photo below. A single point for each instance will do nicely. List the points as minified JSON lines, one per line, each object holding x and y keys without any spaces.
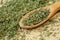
{"x":53,"y":9}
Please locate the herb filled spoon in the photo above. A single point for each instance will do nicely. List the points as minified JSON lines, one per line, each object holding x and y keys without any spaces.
{"x":39,"y":16}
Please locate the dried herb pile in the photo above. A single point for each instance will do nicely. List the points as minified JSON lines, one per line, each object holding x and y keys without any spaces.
{"x":12,"y":11}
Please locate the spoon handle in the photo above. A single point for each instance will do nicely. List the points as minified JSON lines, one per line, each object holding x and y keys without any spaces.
{"x":53,"y":9}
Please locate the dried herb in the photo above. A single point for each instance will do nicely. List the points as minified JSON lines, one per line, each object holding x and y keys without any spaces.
{"x":36,"y":17}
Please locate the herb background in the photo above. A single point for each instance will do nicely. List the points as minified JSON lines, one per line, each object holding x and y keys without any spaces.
{"x":11,"y":12}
